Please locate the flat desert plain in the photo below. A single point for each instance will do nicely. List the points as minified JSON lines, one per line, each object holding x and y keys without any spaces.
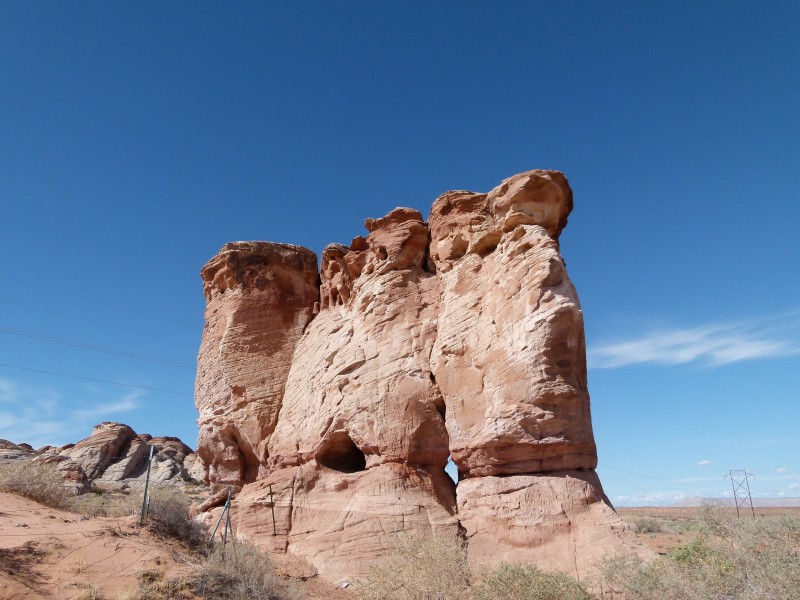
{"x":662,"y":528}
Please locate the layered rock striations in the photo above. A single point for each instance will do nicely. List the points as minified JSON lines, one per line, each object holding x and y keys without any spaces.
{"x":337,"y":403}
{"x":115,"y":457}
{"x":259,"y":298}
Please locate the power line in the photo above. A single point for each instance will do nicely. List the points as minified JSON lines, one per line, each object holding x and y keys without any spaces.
{"x":632,"y":473}
{"x":93,"y":348}
{"x":128,"y":385}
{"x":87,"y":320}
{"x":95,"y":301}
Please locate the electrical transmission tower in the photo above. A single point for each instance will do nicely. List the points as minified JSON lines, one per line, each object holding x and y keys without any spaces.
{"x":740,"y":482}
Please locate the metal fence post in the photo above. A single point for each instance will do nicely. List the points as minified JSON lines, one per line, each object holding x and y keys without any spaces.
{"x":146,"y":486}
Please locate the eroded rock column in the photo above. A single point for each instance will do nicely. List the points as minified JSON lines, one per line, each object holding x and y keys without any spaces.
{"x":510,"y":361}
{"x":259,"y":298}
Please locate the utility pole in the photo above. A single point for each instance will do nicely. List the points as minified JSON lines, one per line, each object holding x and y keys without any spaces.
{"x":740,"y":483}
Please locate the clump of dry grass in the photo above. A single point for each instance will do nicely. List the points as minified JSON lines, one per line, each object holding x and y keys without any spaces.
{"x":234,"y":572}
{"x":40,"y":482}
{"x":527,"y":582}
{"x":421,"y":568}
{"x":734,"y":559}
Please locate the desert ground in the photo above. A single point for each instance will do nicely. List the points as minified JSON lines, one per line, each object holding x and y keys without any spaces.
{"x":662,"y":528}
{"x":55,"y":554}
{"x":47,"y":553}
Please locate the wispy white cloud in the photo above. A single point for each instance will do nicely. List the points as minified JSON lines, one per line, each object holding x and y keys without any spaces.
{"x":704,"y":462}
{"x":649,"y":499}
{"x":712,"y":345}
{"x":127,"y":403}
{"x":38,"y":415}
{"x":782,"y":470}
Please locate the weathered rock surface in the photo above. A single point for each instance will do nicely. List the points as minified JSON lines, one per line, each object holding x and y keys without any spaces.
{"x":259,"y":298}
{"x":115,"y":457}
{"x":559,"y":520}
{"x":509,"y":354}
{"x":9,"y":451}
{"x":339,"y":522}
{"x":461,"y":337}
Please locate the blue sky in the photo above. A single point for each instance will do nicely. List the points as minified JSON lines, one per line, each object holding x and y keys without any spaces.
{"x":136,"y":139}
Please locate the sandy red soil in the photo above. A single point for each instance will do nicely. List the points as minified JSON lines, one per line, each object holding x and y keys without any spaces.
{"x":50,"y":553}
{"x":53,"y":554}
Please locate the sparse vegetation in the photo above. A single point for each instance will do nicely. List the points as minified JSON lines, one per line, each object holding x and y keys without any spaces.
{"x":527,"y":582}
{"x":107,"y":504}
{"x":421,"y":568}
{"x":40,"y":482}
{"x":734,"y":559}
{"x":724,"y":559}
{"x":90,"y":593}
{"x":436,"y":568}
{"x":236,"y":572}
{"x":168,"y":514}
{"x":646,"y":524}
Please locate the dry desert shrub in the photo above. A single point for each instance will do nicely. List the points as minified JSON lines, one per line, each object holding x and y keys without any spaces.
{"x":421,"y":568}
{"x":98,"y":503}
{"x":436,"y":568}
{"x":731,"y":559}
{"x":527,"y":582}
{"x":168,"y":514}
{"x":39,"y":482}
{"x":89,"y":593}
{"x":646,"y":525}
{"x":234,"y":572}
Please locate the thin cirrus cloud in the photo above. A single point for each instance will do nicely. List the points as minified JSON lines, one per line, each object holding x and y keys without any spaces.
{"x":39,"y":415}
{"x":710,"y":345}
{"x":127,"y":403}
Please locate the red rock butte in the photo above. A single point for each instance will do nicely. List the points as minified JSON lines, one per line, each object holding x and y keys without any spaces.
{"x":332,"y":400}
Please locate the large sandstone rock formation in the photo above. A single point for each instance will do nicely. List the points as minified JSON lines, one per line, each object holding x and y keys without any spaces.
{"x":334,"y":404}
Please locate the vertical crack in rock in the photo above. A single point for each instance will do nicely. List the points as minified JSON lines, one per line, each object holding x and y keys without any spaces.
{"x":461,"y":336}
